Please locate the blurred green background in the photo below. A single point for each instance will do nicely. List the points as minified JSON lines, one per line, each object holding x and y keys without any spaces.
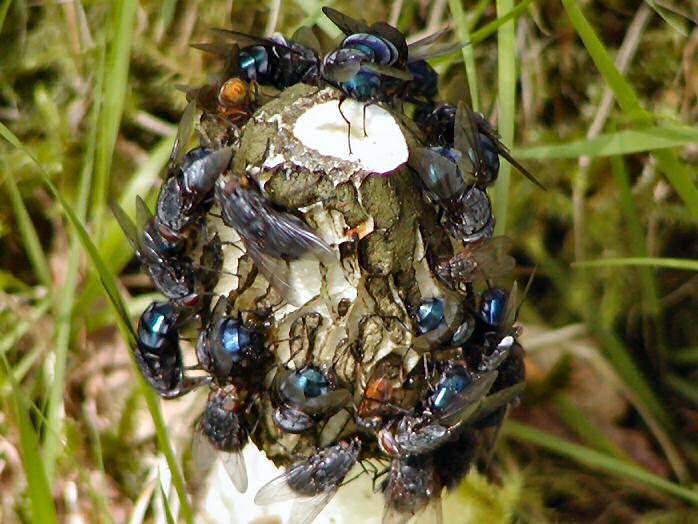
{"x":598,"y":99}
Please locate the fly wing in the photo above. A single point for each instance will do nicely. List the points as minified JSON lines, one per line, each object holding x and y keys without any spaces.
{"x":290,"y":238}
{"x":484,"y":127}
{"x":289,"y":390}
{"x":304,"y":36}
{"x":492,"y":257}
{"x":343,"y":72}
{"x":219,"y":310}
{"x":120,"y":308}
{"x":496,"y":400}
{"x":426,"y":41}
{"x":510,"y":309}
{"x":467,"y":141}
{"x":392,"y":516}
{"x":426,"y":48}
{"x":439,"y":175}
{"x":143,"y":214}
{"x":433,"y":338}
{"x":496,"y":245}
{"x":331,"y":402}
{"x":232,"y":63}
{"x":466,"y":402}
{"x":392,"y":35}
{"x":275,"y":270}
{"x":202,"y":174}
{"x":230,"y":53}
{"x":127,"y":226}
{"x":306,"y":509}
{"x":386,"y":70}
{"x":203,"y":454}
{"x":433,"y":512}
{"x":277,"y":490}
{"x":221,"y":50}
{"x":234,"y":465}
{"x":516,"y":303}
{"x":424,"y":439}
{"x":347,"y":24}
{"x":205,"y":97}
{"x":184,"y":132}
{"x":242,"y":39}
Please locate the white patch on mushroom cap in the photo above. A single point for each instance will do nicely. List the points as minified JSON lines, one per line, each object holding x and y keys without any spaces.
{"x":323,"y":129}
{"x":354,"y":502}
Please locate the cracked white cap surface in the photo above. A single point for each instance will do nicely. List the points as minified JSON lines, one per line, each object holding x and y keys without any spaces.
{"x":354,"y":502}
{"x":323,"y":128}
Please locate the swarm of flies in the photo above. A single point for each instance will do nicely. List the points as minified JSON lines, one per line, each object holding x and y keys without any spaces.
{"x":402,"y":428}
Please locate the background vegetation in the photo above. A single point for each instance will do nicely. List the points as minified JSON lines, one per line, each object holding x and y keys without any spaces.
{"x":600,"y":100}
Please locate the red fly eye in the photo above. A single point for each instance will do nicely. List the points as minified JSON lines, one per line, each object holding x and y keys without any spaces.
{"x":191,"y":300}
{"x":167,"y":233}
{"x":386,"y":441}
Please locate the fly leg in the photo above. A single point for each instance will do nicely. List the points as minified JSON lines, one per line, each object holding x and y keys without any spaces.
{"x":188,"y":384}
{"x":339,"y":106}
{"x":364,"y":116}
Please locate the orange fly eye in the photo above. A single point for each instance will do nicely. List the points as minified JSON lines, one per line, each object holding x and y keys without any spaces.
{"x":232,"y":92}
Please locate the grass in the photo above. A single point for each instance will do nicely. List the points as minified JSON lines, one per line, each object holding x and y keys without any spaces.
{"x":39,"y":492}
{"x":506,"y":107}
{"x":614,"y":404}
{"x":626,"y":142}
{"x":672,"y":263}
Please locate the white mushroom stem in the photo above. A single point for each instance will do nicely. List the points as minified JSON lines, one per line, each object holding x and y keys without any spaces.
{"x":224,"y":504}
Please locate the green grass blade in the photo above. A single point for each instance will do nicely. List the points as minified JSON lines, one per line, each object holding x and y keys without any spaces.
{"x":27,"y":362}
{"x":670,"y":17}
{"x":314,"y":15}
{"x":166,"y":15}
{"x":683,"y":387}
{"x":670,"y":263}
{"x":619,"y":143}
{"x":55,"y":395}
{"x":166,"y":504}
{"x":20,"y":329}
{"x":4,"y":7}
{"x":110,"y":285}
{"x":619,"y":357}
{"x":117,"y":67}
{"x":640,"y":391}
{"x":678,"y":175}
{"x":64,"y":324}
{"x":506,"y":67}
{"x":685,"y":356}
{"x":30,"y":238}
{"x":636,"y":237}
{"x":160,"y":430}
{"x":152,"y":402}
{"x":624,"y":93}
{"x":475,"y":14}
{"x":597,"y":460}
{"x":492,"y":27}
{"x":468,"y":52}
{"x":571,"y":415}
{"x":41,"y":500}
{"x":10,"y":282}
{"x":113,"y":245}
